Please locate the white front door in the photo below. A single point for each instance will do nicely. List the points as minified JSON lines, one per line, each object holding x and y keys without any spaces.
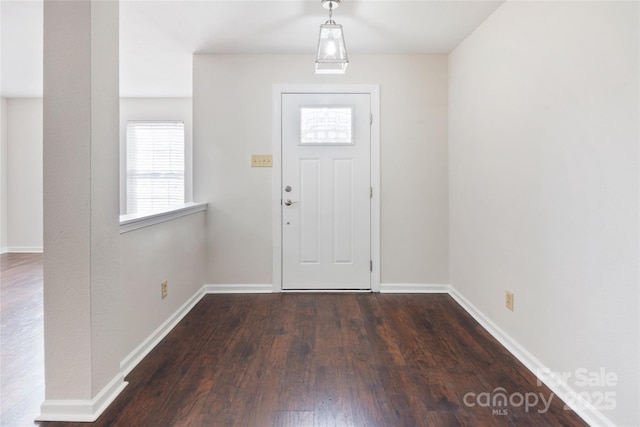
{"x":326,"y":184}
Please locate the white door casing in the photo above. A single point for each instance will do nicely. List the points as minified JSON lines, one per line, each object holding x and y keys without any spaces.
{"x":327,"y":237}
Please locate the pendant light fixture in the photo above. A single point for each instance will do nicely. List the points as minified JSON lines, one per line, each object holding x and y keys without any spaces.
{"x":332,"y":52}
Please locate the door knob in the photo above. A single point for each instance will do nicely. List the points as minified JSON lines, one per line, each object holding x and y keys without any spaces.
{"x":288,"y":202}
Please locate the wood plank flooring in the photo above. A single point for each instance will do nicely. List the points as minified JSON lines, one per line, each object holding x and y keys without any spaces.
{"x":326,"y":360}
{"x":312,"y":360}
{"x":21,"y":339}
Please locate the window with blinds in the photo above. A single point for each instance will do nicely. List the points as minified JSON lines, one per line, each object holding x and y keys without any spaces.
{"x":155,"y":165}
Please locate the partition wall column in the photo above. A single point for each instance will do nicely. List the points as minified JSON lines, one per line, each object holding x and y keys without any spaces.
{"x":81,"y":230}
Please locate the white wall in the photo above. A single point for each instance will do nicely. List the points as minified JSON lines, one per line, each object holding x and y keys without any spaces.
{"x":172,"y":251}
{"x":232,"y":115}
{"x":544,"y":190}
{"x":3,"y":175}
{"x":24,"y":174}
{"x":156,"y":109}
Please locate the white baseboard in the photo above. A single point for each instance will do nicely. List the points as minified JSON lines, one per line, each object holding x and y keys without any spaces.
{"x":4,"y":250}
{"x":238,"y":289}
{"x":139,"y":353}
{"x":82,"y":410}
{"x":573,"y":399}
{"x":23,"y":249}
{"x":413,"y":288}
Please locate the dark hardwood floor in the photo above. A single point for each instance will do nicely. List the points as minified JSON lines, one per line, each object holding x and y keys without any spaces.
{"x":328,"y":360}
{"x":21,"y":339}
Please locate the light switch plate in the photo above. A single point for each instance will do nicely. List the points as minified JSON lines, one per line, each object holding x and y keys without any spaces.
{"x":261,"y":160}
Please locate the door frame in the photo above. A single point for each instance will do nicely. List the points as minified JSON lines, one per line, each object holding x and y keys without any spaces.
{"x":279,"y":90}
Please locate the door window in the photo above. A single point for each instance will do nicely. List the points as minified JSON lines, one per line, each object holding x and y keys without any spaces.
{"x":321,"y":125}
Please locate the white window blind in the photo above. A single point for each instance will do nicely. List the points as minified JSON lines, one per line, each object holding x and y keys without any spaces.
{"x":155,"y":165}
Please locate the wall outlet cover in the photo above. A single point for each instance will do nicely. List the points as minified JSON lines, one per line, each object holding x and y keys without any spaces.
{"x":509,"y":300}
{"x":164,"y":288}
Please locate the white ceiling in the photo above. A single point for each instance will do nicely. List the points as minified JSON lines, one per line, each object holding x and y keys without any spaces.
{"x":158,"y":38}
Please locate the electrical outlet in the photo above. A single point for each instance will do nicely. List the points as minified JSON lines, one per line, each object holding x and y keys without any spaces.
{"x":165,"y":289}
{"x":261,"y":160}
{"x":508,"y":300}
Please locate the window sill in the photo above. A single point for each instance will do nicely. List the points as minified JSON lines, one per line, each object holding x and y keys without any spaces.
{"x":135,"y":221}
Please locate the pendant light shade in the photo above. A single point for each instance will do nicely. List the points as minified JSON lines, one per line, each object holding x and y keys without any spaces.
{"x":332,"y":52}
